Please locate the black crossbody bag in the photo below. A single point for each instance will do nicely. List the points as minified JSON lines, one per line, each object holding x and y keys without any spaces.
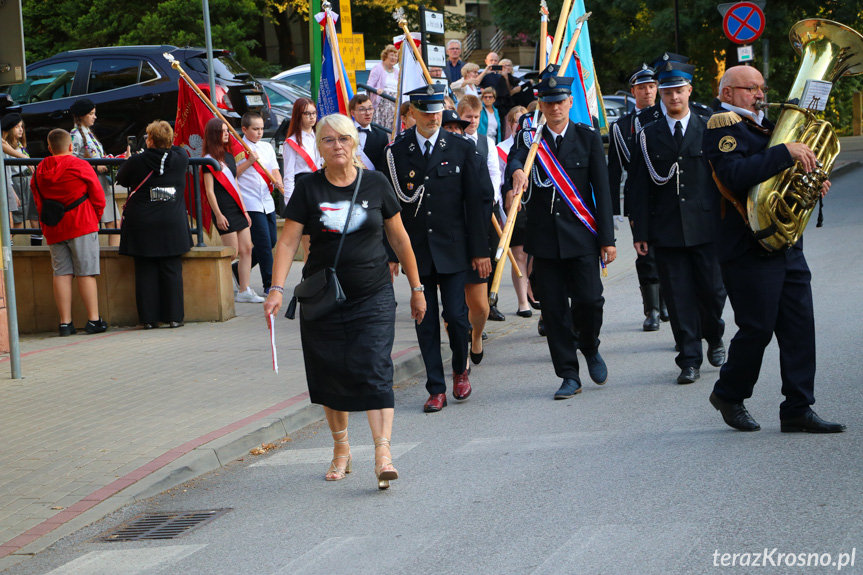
{"x":53,"y":211}
{"x":321,"y":293}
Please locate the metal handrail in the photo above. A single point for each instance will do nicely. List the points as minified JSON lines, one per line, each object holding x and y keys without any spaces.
{"x":496,"y":42}
{"x":372,"y":90}
{"x":194,"y":163}
{"x":469,"y":44}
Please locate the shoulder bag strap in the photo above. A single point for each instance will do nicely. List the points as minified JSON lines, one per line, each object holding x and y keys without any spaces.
{"x":348,"y":219}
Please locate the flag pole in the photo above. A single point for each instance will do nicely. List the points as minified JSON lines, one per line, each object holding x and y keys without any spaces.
{"x":176,"y":65}
{"x":399,"y":15}
{"x":397,"y":114}
{"x":506,"y":237}
{"x":543,"y":33}
{"x":558,"y":34}
{"x":573,"y":41}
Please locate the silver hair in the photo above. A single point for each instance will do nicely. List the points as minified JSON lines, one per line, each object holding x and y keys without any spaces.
{"x":454,"y":41}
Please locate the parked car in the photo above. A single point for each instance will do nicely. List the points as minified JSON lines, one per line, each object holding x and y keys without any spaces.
{"x":301,"y":75}
{"x":282,"y":96}
{"x":621,"y":101}
{"x":130,"y":85}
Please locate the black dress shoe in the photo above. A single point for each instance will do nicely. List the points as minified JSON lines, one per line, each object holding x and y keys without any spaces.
{"x":484,"y":336}
{"x":476,"y":357}
{"x":150,"y":326}
{"x":688,"y":375}
{"x":716,"y":353}
{"x":569,"y":388}
{"x":175,"y":324}
{"x":734,"y":414}
{"x":596,"y":368}
{"x":540,"y":328}
{"x":809,"y":422}
{"x":495,"y":315}
{"x":524,"y":313}
{"x":533,"y":303}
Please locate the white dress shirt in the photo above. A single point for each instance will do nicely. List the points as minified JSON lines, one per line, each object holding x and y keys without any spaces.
{"x":295,"y":164}
{"x":421,"y":140}
{"x":684,"y":122}
{"x":255,"y":192}
{"x":492,"y":163}
{"x":756,"y":117}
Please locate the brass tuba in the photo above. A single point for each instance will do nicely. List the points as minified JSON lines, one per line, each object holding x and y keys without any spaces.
{"x":779,"y":208}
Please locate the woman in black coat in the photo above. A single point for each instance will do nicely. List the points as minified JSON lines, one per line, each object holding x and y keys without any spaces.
{"x":155,"y":229}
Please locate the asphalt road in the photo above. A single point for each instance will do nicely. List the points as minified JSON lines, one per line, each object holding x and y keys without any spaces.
{"x":639,"y":476}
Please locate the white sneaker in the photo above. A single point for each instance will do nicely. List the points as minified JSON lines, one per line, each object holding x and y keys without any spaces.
{"x":248,"y":296}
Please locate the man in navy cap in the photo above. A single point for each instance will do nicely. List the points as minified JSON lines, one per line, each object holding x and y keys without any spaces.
{"x":622,"y":142}
{"x":675,"y":218}
{"x":436,"y":179}
{"x":569,"y":231}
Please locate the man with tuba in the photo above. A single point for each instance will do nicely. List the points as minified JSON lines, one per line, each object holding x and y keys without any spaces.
{"x":770,"y":292}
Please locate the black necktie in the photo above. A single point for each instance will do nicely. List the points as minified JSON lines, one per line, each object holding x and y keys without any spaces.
{"x":558,"y":140}
{"x":365,"y":130}
{"x":678,"y":133}
{"x":427,"y":147}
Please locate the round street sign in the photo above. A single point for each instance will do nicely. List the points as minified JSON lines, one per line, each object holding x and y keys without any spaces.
{"x":743,"y":23}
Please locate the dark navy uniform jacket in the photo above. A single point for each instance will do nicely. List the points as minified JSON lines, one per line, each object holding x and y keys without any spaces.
{"x":737,"y":149}
{"x":553,"y":230}
{"x":619,"y":155}
{"x":668,"y":216}
{"x":447,"y":227}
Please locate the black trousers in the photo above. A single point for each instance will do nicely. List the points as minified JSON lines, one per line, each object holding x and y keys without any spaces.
{"x":159,"y":289}
{"x":695,"y":299}
{"x":571,"y":294}
{"x":645,"y":267}
{"x":771,"y":295}
{"x":428,"y":332}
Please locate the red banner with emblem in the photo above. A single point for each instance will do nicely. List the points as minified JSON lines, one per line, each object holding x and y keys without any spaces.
{"x":192,"y":117}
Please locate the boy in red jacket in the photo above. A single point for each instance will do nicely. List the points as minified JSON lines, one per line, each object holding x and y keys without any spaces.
{"x":74,"y":241}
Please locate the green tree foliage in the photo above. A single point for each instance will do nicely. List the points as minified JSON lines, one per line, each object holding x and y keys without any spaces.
{"x":625,"y":33}
{"x":51,"y":27}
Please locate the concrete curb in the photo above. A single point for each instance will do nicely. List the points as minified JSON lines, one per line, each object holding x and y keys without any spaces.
{"x":210,"y":456}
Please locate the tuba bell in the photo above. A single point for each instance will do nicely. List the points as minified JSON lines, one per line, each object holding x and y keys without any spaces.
{"x":779,"y":209}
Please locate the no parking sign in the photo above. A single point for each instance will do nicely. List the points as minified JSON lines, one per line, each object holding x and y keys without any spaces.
{"x":743,"y":23}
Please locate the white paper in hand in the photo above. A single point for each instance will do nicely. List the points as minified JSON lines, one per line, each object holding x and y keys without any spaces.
{"x":272,"y":324}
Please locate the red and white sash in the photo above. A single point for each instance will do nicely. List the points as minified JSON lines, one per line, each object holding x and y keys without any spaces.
{"x":564,"y":186}
{"x":502,"y":155}
{"x":226,"y":178}
{"x":261,"y":172}
{"x":302,"y":153}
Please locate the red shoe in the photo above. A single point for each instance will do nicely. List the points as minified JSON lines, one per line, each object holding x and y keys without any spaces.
{"x":435,"y":402}
{"x":460,"y":385}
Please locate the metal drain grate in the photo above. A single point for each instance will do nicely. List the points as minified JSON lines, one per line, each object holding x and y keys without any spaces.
{"x":161,"y":525}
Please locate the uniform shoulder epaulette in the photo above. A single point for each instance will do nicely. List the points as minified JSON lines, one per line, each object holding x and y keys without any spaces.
{"x":585,"y":126}
{"x":723,"y":120}
{"x":462,"y":136}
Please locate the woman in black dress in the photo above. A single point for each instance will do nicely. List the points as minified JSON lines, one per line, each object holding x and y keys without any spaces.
{"x":155,"y":230}
{"x":348,"y":353}
{"x":225,"y":200}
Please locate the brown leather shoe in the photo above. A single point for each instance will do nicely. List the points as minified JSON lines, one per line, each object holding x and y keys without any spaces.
{"x":460,"y":386}
{"x":435,"y":402}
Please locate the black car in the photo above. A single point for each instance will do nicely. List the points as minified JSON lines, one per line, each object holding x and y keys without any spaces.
{"x":131,"y":87}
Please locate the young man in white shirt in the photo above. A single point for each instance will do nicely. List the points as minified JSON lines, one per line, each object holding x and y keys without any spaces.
{"x":254,"y":187}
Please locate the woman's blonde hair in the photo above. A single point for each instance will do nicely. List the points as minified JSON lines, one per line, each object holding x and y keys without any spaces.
{"x":468,"y":68}
{"x":388,"y":49}
{"x":160,"y":133}
{"x":343,"y":126}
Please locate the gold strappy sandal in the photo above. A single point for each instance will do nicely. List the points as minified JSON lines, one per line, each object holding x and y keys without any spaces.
{"x":384,"y":475}
{"x":336,"y":473}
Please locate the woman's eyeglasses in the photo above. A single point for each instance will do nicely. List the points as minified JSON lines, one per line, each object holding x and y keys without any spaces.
{"x":344,"y":141}
{"x":488,"y":97}
{"x":310,"y":114}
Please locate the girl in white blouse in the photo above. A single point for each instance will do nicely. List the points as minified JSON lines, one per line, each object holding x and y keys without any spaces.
{"x":300,"y":151}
